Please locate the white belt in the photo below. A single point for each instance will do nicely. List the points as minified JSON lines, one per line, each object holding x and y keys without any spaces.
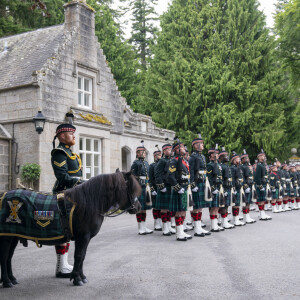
{"x":202,"y":172}
{"x":185,"y":177}
{"x":288,"y":180}
{"x":143,"y":177}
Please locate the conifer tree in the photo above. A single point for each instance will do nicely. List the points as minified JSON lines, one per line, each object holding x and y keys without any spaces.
{"x":214,"y":72}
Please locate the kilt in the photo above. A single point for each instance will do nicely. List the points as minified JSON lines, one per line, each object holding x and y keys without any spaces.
{"x":163,"y":199}
{"x":238,"y":197}
{"x":178,"y":201}
{"x":215,"y":201}
{"x":143,"y":199}
{"x":227,"y":199}
{"x":248,"y":198}
{"x":198,"y":197}
{"x":293,"y":192}
{"x":261,"y":195}
{"x":288,"y":190}
{"x":275,"y":195}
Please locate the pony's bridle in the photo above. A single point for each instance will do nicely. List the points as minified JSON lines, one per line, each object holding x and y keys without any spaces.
{"x":133,"y":201}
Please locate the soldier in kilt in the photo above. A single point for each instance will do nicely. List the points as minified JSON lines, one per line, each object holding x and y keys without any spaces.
{"x":274,"y":181}
{"x":287,"y":188}
{"x":237,"y":182}
{"x":280,"y":189}
{"x":247,"y":186}
{"x":179,"y":179}
{"x":294,"y":186}
{"x":163,"y":197}
{"x":261,"y":180}
{"x":156,"y":212}
{"x":68,"y":172}
{"x":140,"y":169}
{"x":197,"y":164}
{"x":227,"y":184}
{"x":214,"y":174}
{"x":298,"y":186}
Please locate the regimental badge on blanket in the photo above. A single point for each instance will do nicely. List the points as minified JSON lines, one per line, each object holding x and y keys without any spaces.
{"x":14,"y":206}
{"x":43,"y":216}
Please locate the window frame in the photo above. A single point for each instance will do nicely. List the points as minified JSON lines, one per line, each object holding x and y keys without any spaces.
{"x":83,"y":152}
{"x":83,"y":92}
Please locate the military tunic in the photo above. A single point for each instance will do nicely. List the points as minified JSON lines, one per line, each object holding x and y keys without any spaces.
{"x":294,"y":184}
{"x":274,"y":181}
{"x":178,"y":178}
{"x":247,"y":181}
{"x":214,"y":174}
{"x":237,"y":182}
{"x":227,"y":182}
{"x":161,"y":175}
{"x":67,"y":168}
{"x":140,"y":169}
{"x":261,"y":180}
{"x":287,"y":183}
{"x":197,"y":165}
{"x":152,"y":183}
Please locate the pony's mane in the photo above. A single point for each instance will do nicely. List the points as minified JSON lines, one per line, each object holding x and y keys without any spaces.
{"x":98,"y":194}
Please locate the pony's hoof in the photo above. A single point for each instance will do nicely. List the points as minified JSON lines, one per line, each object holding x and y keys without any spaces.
{"x":14,"y":281}
{"x":7,"y":284}
{"x":78,"y":282}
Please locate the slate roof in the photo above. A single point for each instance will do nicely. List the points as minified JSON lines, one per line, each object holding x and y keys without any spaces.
{"x":27,"y":52}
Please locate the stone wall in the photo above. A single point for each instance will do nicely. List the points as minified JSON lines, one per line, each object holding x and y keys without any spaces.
{"x":4,"y":156}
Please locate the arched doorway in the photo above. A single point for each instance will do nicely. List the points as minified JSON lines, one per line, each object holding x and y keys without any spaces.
{"x":126,"y":158}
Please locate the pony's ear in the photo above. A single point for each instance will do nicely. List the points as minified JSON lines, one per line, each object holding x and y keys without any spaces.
{"x":127,"y":175}
{"x":117,"y":170}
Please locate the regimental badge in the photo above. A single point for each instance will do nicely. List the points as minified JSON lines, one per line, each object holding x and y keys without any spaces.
{"x":15,"y":206}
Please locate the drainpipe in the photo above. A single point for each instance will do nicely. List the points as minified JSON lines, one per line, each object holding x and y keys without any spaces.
{"x":9,"y":160}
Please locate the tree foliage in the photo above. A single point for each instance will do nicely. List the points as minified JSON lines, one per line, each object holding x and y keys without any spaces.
{"x":214,"y":72}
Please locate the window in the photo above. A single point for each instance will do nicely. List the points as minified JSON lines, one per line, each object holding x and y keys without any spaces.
{"x":90,"y":154}
{"x":85,"y":92}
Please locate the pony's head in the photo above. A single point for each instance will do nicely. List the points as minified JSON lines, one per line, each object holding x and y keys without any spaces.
{"x":132,"y":204}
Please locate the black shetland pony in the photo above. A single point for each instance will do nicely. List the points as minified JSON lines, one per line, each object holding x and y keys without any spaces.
{"x":93,"y":199}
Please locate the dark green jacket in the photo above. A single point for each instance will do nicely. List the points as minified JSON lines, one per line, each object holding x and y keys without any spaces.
{"x":161,"y":172}
{"x":197,"y":163}
{"x":247,"y":175}
{"x":226,"y":176}
{"x":214,"y":174}
{"x":140,"y":168}
{"x":66,"y":166}
{"x":261,"y":175}
{"x":178,"y":173}
{"x":152,"y":180}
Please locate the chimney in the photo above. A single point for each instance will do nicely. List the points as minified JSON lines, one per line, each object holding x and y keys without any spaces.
{"x":79,"y":14}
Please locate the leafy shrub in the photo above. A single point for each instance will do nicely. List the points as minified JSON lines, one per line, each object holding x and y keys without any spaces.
{"x":30,"y":172}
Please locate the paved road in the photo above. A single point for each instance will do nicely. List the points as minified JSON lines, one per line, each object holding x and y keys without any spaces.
{"x":258,"y":261}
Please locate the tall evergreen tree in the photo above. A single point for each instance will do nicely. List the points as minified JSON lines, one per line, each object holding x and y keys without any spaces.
{"x":214,"y":71}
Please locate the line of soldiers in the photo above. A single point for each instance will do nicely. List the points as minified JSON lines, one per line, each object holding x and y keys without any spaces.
{"x":176,"y":183}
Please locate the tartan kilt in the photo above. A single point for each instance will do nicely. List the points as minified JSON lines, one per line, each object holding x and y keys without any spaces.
{"x":238,"y":195}
{"x":288,"y":190}
{"x":261,"y":195}
{"x":227,"y":199}
{"x":215,"y":201}
{"x":163,"y":199}
{"x":198,"y":197}
{"x":178,"y":201}
{"x":142,"y":199}
{"x":275,"y":195}
{"x":293,"y":192}
{"x":248,"y":198}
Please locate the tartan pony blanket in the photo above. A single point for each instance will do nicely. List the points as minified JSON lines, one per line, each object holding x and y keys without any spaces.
{"x":32,"y":215}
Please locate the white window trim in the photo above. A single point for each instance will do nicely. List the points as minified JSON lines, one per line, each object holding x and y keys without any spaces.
{"x":90,"y":106}
{"x":83,"y":152}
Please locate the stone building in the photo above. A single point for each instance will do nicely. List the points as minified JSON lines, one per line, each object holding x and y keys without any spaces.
{"x":57,"y":70}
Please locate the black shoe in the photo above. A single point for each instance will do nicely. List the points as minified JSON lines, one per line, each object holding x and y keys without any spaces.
{"x":215,"y":230}
{"x":182,"y":240}
{"x":207,"y":233}
{"x":63,"y":275}
{"x":189,"y":238}
{"x":199,"y":234}
{"x":158,"y":229}
{"x":167,"y":234}
{"x":203,"y":225}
